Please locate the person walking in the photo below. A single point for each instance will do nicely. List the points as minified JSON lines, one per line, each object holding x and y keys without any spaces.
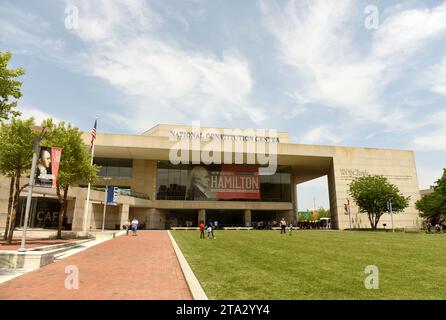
{"x":202,"y":230}
{"x":211,"y":225}
{"x":290,"y":228}
{"x":127,"y":227}
{"x":134,"y":226}
{"x":282,"y":226}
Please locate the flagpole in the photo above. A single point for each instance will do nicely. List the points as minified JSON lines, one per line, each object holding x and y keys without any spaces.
{"x":87,"y":202}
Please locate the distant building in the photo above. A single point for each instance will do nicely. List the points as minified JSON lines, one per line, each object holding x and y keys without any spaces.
{"x":426,"y":191}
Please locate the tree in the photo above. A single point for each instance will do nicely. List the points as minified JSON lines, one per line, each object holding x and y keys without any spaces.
{"x":9,"y":87}
{"x":304,"y":216}
{"x":433,"y":205}
{"x":371,"y":194}
{"x":74,"y":166}
{"x":321,"y":213}
{"x":10,"y":203}
{"x":16,"y":150}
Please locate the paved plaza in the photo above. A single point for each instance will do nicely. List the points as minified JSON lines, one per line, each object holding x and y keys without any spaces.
{"x":127,"y":267}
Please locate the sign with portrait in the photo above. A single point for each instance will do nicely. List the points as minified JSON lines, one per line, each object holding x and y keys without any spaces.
{"x":47,"y":167}
{"x":231,"y":182}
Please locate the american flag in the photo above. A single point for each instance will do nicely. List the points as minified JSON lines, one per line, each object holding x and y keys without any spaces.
{"x":93,"y":134}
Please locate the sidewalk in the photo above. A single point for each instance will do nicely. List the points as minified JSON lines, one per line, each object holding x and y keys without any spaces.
{"x":127,"y":267}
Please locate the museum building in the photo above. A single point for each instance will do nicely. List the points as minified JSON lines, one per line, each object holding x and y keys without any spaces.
{"x":168,"y":177}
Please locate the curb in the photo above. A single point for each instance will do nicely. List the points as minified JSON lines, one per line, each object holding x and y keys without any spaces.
{"x":192,"y":281}
{"x":60,"y":245}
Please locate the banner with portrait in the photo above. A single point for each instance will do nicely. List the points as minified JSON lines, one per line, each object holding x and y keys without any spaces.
{"x":231,"y":182}
{"x":47,"y":167}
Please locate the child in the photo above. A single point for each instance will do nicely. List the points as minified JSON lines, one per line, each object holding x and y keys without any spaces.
{"x":290,"y":228}
{"x":210,"y":232}
{"x":201,"y":230}
{"x":127,"y":227}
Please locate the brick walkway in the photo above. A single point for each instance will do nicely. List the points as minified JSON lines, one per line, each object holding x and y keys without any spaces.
{"x":127,"y":267}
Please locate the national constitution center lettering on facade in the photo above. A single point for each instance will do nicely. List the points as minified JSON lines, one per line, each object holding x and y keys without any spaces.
{"x":236,"y":191}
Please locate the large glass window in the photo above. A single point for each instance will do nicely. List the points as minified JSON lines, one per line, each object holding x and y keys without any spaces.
{"x":277,"y":187}
{"x":174,"y":182}
{"x":171,"y":181}
{"x":114,"y":168}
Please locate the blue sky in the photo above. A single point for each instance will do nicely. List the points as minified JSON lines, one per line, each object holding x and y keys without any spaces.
{"x":311,"y":68}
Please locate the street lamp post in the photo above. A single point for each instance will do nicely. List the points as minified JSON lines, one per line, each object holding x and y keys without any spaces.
{"x":349,"y":216}
{"x":37,"y":140}
{"x":389,"y":203}
{"x":105,"y":202}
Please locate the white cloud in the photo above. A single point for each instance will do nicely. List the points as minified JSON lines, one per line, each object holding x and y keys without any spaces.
{"x":320,"y":135}
{"x":404,"y":32}
{"x":27,"y":34}
{"x":318,"y":42}
{"x":38,"y":114}
{"x":428,"y":176}
{"x":435,"y":139}
{"x":161,"y":79}
{"x":436,"y":77}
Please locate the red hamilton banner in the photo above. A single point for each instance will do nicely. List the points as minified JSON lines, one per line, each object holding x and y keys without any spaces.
{"x":56,"y":153}
{"x":48,"y":167}
{"x":236,"y":182}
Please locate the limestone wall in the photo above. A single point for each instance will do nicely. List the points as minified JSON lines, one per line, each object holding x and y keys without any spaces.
{"x":396,"y":165}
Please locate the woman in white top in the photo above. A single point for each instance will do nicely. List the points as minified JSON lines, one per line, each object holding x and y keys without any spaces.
{"x":282,"y":226}
{"x":134,"y":226}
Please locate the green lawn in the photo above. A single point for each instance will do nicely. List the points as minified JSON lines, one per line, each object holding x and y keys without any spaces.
{"x":316,"y":264}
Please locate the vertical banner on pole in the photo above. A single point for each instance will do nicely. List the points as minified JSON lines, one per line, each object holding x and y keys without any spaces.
{"x":112,"y":195}
{"x":389,"y":207}
{"x":47,"y":167}
{"x":56,"y":154}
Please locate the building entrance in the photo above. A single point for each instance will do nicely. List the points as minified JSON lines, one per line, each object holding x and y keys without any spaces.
{"x":263,"y":219}
{"x":181,"y":218}
{"x":44,"y":213}
{"x":226,"y":218}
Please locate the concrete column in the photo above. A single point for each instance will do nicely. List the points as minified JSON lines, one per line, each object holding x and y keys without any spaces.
{"x":78,"y":214}
{"x":124,"y":210}
{"x":289,"y":216}
{"x":202,"y":216}
{"x":294,"y":196}
{"x":70,"y":210}
{"x":155,"y":219}
{"x":334,"y":212}
{"x":247,"y":217}
{"x":153,"y":173}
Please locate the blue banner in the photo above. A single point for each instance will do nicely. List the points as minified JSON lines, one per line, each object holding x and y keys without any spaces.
{"x":112,"y":195}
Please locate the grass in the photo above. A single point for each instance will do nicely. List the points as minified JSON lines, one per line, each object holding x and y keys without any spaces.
{"x":316,"y":264}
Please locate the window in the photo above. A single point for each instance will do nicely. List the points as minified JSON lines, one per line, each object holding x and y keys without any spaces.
{"x":276,"y":187}
{"x":173,"y":183}
{"x":114,"y":168}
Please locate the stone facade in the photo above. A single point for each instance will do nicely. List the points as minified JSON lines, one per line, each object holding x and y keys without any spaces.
{"x":340,"y":164}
